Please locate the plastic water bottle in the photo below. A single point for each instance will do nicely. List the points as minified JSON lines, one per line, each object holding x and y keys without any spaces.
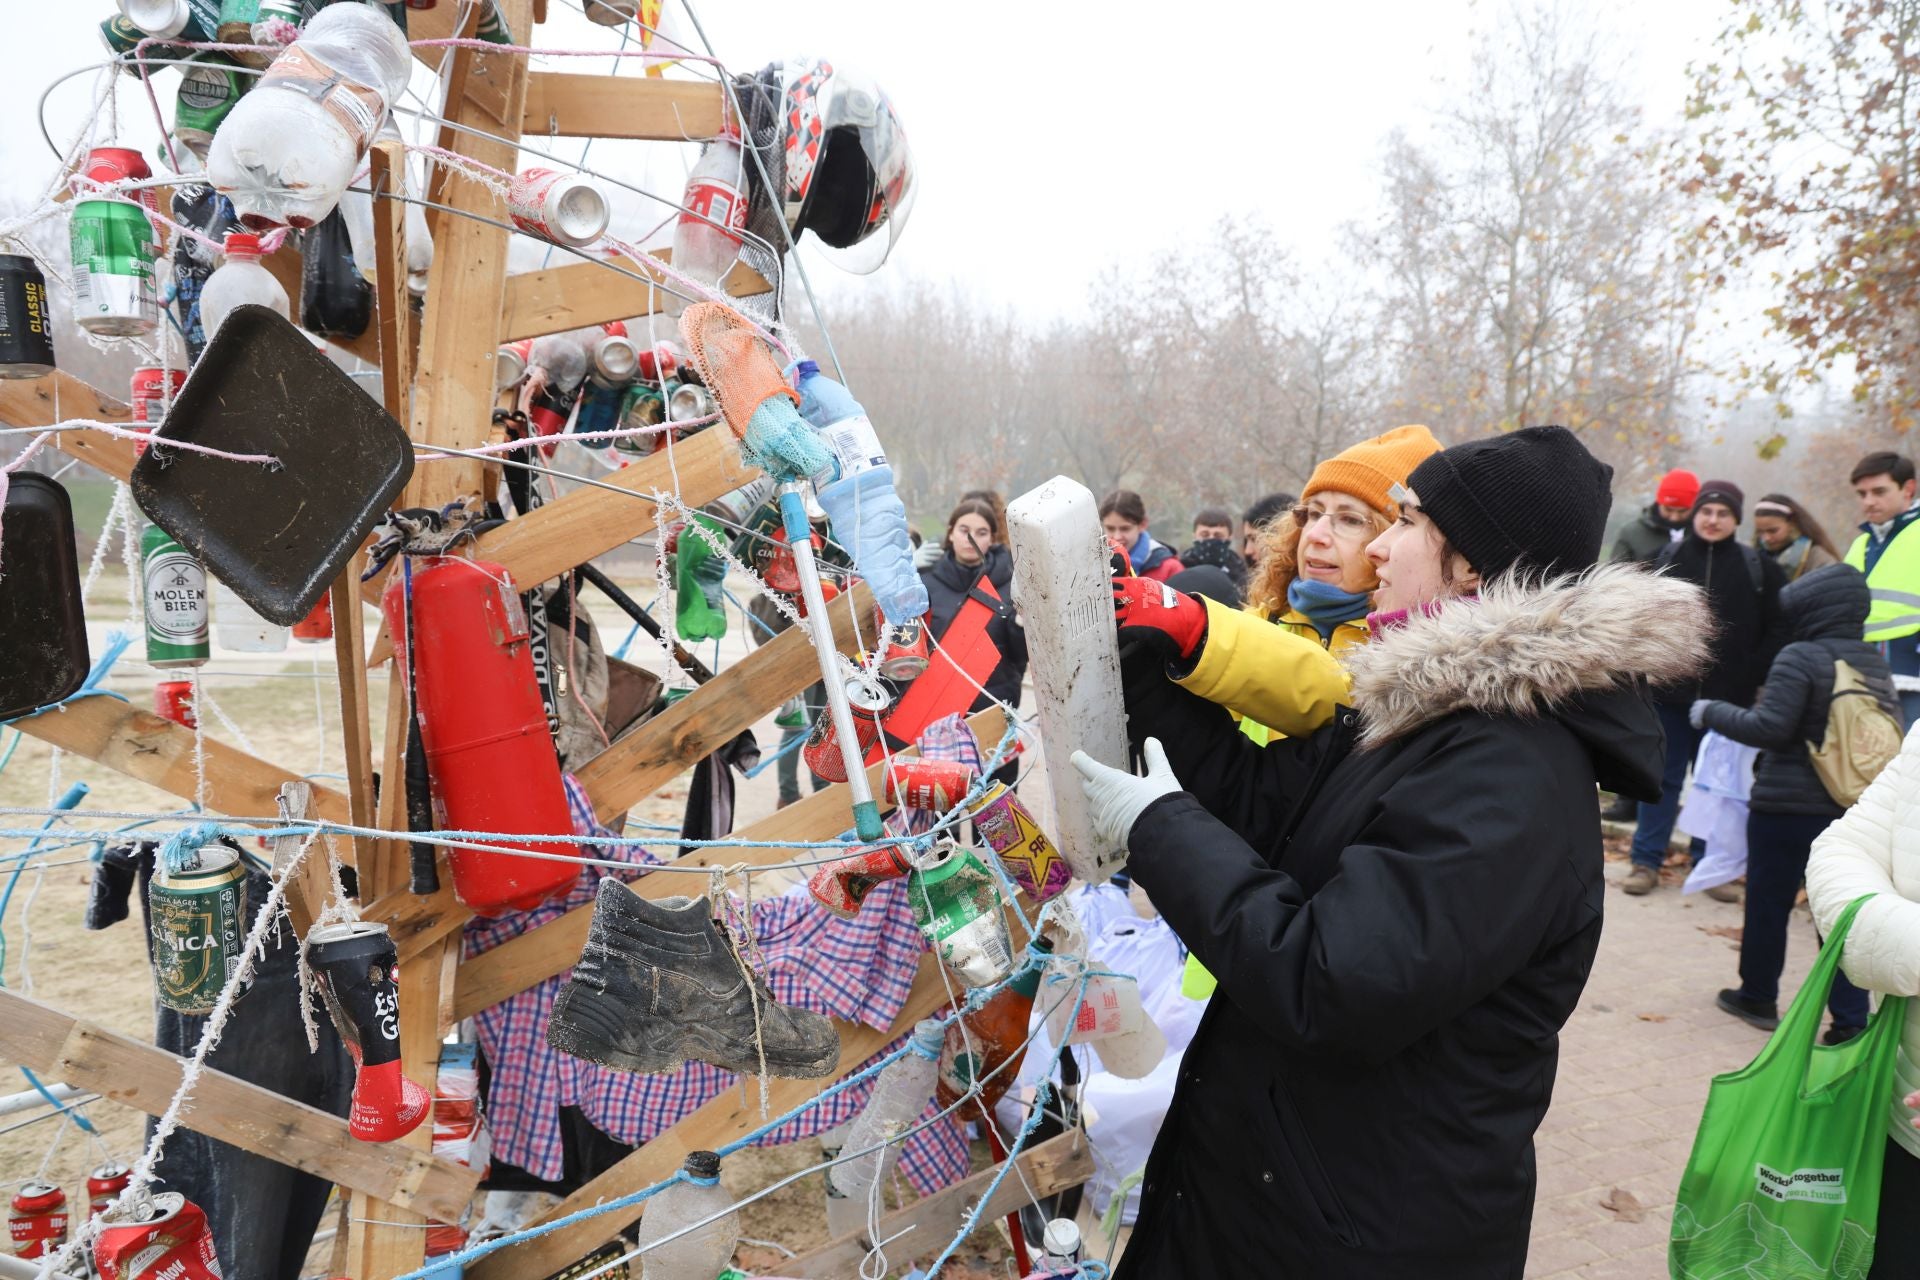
{"x":240,"y":279}
{"x":704,"y":1252}
{"x":238,"y":628}
{"x":844,"y":1216}
{"x":288,"y":149}
{"x":558,"y":365}
{"x":866,"y":512}
{"x":899,"y":1096}
{"x":713,"y":215}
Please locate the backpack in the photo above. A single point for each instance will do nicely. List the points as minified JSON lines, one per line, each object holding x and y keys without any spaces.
{"x":1862,"y":738}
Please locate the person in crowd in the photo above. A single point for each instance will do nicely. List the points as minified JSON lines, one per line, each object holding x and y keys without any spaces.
{"x":1743,"y":599}
{"x":1884,"y":483}
{"x":1661,"y":524}
{"x":1213,"y":545}
{"x":1875,"y":849}
{"x":1790,"y":806}
{"x":1788,"y":532}
{"x":1123,"y":514}
{"x":1401,"y":908}
{"x":973,"y":551}
{"x":1254,"y":522}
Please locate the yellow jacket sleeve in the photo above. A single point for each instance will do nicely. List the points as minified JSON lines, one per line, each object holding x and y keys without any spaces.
{"x":1265,"y":673}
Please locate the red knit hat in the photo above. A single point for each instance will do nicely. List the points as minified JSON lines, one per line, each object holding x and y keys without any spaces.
{"x":1678,"y":488}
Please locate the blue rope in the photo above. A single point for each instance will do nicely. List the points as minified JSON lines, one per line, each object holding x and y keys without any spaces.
{"x":181,"y":851}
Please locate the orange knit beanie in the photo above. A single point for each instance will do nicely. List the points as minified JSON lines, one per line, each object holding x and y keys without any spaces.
{"x":1370,"y":469}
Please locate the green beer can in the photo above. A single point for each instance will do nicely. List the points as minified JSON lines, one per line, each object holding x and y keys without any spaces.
{"x":198,"y":925}
{"x":113,"y":256}
{"x":175,"y":587}
{"x":209,"y":86}
{"x":121,"y":37}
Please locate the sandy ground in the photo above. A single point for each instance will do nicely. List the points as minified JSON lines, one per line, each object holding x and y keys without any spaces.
{"x":285,"y":709}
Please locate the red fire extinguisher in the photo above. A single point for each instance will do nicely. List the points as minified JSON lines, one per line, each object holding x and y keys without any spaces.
{"x":489,"y":752}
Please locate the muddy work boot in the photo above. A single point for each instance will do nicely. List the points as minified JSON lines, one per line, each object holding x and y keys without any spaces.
{"x":1640,"y":880}
{"x":658,"y":984}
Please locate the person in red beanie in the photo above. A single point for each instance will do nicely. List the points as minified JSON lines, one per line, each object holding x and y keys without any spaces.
{"x":1661,"y":524}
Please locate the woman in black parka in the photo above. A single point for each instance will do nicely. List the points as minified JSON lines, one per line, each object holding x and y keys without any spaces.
{"x":975,"y":550}
{"x":1403,"y":907}
{"x":1826,"y":612}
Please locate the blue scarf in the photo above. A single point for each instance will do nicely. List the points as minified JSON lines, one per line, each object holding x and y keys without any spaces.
{"x":1325,"y":605}
{"x":1142,"y":548}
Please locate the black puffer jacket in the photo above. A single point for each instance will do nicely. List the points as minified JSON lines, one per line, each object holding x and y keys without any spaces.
{"x":1401,"y":910}
{"x":1743,"y":598}
{"x":1826,"y":610}
{"x":949,"y":583}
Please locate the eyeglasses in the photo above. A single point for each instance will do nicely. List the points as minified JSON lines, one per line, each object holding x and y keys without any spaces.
{"x":1350,"y":526}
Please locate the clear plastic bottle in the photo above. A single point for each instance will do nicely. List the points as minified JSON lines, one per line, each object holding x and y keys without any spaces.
{"x":239,"y":279}
{"x":556,"y":367}
{"x":713,"y":214}
{"x":867,"y":515}
{"x":237,"y":627}
{"x":704,"y":1252}
{"x":843,"y":1215}
{"x":899,"y":1096}
{"x":288,"y":149}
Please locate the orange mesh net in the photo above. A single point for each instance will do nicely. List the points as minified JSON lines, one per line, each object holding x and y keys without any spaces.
{"x":733,"y":361}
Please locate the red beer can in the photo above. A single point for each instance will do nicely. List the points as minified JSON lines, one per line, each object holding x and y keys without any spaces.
{"x":37,"y":1223}
{"x":173,"y":700}
{"x":164,"y":1236}
{"x":934,"y":785}
{"x":103,"y":1184}
{"x":150,"y":398}
{"x":318,"y":624}
{"x":903,"y":648}
{"x":562,"y":207}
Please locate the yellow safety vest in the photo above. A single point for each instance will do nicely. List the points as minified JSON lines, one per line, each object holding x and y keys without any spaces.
{"x":1895,"y":584}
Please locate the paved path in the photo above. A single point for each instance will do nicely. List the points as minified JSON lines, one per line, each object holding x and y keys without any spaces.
{"x":1635,"y":1062}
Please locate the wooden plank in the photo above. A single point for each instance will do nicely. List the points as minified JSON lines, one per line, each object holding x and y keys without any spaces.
{"x":160,"y":753}
{"x":310,"y":885}
{"x":397,"y":323}
{"x":590,"y":521}
{"x":32,"y":402}
{"x":551,"y":949}
{"x":734,"y":1113}
{"x":926,"y":1225}
{"x":350,"y":664}
{"x":247,"y":1116}
{"x":587,"y":293}
{"x":560,"y":105}
{"x":710,"y":717}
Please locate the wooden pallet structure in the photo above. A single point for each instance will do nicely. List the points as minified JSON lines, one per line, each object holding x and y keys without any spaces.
{"x":437,"y":378}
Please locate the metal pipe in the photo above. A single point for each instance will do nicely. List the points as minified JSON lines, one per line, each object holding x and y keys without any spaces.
{"x":793,"y":513}
{"x":28,"y":1099}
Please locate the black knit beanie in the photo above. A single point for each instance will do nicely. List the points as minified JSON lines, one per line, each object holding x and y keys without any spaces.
{"x":1532,"y":499}
{"x":1725,"y":492}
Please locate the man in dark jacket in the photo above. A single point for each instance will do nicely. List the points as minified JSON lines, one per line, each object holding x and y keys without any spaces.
{"x":1403,"y":907}
{"x":1662,"y":523}
{"x":1743,"y":600}
{"x":1790,"y":806}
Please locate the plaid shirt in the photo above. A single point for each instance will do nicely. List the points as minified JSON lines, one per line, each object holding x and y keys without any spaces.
{"x":858,"y":970}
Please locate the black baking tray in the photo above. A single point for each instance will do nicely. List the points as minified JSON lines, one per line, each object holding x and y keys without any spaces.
{"x":279,"y":535}
{"x":43,"y":627}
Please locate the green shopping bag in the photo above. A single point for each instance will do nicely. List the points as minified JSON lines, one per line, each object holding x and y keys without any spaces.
{"x":1784,"y":1180}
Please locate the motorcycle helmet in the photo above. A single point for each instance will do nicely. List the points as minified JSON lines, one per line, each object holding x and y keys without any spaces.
{"x":849,"y":169}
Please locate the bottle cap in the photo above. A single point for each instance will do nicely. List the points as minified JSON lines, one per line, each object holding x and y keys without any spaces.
{"x":242,"y":244}
{"x":928,"y":1035}
{"x":1061,"y":1238}
{"x":703,"y":1164}
{"x":805,"y":369}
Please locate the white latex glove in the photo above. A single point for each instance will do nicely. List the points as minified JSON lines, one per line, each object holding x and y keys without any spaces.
{"x":1117,"y":798}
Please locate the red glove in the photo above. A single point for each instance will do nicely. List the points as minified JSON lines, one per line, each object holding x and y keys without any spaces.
{"x":1151,"y":613}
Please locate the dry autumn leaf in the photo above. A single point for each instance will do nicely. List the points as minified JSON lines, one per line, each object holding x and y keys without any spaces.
{"x":1625,"y":1205}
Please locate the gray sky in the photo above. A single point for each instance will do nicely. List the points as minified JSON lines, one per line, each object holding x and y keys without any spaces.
{"x":1051,"y":138}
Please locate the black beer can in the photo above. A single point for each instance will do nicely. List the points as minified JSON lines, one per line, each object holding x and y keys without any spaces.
{"x":26,"y":323}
